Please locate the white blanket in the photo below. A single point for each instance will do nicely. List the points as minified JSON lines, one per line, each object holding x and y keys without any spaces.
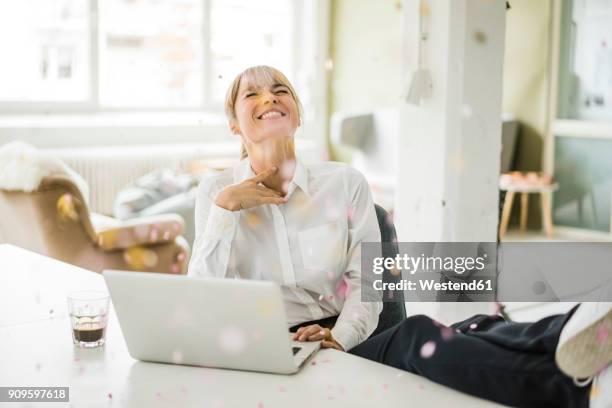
{"x":23,"y":167}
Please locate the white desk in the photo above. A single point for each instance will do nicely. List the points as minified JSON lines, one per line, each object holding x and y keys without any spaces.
{"x":36,"y":350}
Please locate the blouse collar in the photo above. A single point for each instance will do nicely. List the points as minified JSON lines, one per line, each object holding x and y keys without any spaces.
{"x":243,"y":171}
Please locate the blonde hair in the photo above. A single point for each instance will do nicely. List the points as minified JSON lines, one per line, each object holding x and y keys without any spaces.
{"x":260,"y":75}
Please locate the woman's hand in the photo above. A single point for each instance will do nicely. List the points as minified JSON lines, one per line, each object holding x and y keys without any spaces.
{"x":249,"y":193}
{"x":314,"y":332}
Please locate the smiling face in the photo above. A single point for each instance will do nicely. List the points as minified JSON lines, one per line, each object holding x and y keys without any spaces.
{"x":264,"y":106}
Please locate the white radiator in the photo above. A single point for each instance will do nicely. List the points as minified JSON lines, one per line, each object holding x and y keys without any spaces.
{"x":109,"y":169}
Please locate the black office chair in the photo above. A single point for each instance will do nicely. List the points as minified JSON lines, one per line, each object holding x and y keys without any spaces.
{"x":395,"y":311}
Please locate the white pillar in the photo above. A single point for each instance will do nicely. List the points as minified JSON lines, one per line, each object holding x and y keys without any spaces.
{"x":449,"y":147}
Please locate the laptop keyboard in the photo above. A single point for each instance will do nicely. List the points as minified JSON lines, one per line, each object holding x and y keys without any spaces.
{"x":295,"y":350}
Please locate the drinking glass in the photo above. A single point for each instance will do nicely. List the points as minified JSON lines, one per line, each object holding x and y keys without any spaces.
{"x":88,"y":317}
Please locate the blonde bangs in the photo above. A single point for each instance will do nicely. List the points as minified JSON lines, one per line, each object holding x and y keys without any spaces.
{"x":259,"y":76}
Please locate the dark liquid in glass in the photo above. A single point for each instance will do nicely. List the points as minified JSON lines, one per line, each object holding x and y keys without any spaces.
{"x":89,"y":333}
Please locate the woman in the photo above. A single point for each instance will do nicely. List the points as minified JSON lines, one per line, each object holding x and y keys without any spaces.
{"x":272,"y":217}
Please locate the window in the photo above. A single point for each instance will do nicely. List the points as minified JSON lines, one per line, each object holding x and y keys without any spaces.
{"x":103,"y":55}
{"x":265,"y":37}
{"x":586,"y":63}
{"x":150,"y":53}
{"x":45,"y":50}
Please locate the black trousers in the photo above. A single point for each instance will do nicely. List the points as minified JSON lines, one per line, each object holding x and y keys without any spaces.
{"x":485,"y":356}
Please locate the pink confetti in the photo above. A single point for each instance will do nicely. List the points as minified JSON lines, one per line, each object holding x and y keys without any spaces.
{"x":141,"y":231}
{"x":286,"y":169}
{"x":153,"y":234}
{"x":350,"y":213}
{"x":473,"y":326}
{"x":428,"y":349}
{"x":385,"y":387}
{"x":421,"y":387}
{"x":603,"y":334}
{"x":342,"y":290}
{"x":498,"y":308}
{"x":282,"y":388}
{"x":447,"y":333}
{"x":260,"y":405}
{"x":76,"y":359}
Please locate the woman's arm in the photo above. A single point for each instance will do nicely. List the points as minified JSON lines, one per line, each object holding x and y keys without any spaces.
{"x":215,"y":228}
{"x":218,"y":205}
{"x":357,"y":319}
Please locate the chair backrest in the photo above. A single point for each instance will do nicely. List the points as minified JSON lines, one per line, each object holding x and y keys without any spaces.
{"x":395,"y":311}
{"x":50,"y":219}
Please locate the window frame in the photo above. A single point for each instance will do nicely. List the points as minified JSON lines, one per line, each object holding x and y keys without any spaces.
{"x":92,"y":105}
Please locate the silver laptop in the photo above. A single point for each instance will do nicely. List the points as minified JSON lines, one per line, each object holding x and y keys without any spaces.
{"x":211,"y":322}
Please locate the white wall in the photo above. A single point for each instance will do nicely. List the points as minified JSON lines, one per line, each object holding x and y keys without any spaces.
{"x":450,"y":146}
{"x":366,"y":52}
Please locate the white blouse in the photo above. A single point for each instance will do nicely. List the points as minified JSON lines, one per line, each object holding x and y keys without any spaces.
{"x":310,"y":245}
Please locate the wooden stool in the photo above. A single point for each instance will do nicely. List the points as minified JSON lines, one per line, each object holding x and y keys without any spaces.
{"x":519,"y":183}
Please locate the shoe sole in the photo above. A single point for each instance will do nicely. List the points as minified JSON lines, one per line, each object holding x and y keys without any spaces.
{"x":584,"y":355}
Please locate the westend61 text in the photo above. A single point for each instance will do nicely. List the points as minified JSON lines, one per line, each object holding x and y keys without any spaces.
{"x":431,"y":285}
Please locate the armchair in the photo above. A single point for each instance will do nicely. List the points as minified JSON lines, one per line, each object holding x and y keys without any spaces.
{"x":45,"y":211}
